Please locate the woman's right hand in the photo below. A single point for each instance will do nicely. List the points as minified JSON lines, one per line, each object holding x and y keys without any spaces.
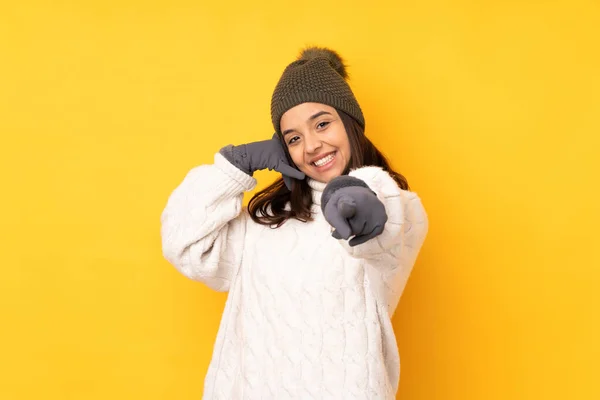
{"x":265,"y":154}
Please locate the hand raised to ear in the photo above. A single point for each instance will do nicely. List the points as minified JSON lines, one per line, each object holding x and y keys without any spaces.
{"x":266,"y":154}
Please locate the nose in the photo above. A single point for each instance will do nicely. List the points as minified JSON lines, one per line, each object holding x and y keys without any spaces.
{"x":312,"y":143}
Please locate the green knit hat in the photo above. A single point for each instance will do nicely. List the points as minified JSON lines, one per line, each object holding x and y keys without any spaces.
{"x":317,"y":76}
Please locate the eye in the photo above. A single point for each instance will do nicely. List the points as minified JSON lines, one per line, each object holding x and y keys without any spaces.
{"x":292,"y":140}
{"x":322,"y":125}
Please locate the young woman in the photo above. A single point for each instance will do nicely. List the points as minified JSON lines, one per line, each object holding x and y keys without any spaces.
{"x":316,"y":265}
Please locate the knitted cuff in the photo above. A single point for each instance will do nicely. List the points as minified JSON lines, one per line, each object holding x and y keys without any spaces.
{"x":237,"y":156}
{"x":338,"y":183}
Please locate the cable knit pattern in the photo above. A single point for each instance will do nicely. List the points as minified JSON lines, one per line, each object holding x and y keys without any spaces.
{"x":307,"y":316}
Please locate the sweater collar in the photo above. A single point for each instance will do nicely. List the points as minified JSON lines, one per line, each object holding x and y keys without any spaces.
{"x":317,"y":190}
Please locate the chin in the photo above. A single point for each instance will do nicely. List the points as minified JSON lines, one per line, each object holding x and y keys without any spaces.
{"x":325,"y":178}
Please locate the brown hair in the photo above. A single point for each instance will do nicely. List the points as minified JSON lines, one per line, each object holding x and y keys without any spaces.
{"x":267,"y":207}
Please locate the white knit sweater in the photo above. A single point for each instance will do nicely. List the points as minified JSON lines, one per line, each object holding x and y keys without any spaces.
{"x":307,"y":316}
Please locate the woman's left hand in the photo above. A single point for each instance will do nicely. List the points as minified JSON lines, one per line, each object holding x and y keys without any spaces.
{"x":353,"y":209}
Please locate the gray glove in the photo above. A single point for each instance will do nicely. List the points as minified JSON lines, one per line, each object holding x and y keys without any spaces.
{"x":353,"y":209}
{"x":266,"y":154}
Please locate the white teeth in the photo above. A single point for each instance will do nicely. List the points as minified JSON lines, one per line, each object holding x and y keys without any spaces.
{"x":324,"y":160}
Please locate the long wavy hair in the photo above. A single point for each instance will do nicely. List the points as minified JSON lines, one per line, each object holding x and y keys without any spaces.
{"x":268,"y":206}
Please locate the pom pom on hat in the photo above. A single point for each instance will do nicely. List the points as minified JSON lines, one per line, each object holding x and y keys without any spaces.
{"x":335,"y":60}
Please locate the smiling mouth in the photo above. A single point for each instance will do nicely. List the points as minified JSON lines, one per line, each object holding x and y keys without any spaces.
{"x":324,"y":160}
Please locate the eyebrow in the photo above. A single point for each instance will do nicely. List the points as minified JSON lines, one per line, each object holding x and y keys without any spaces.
{"x":313,"y":117}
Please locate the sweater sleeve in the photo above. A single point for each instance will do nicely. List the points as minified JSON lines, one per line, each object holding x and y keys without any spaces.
{"x":390,"y":257}
{"x":203,"y":227}
{"x":407,"y":223}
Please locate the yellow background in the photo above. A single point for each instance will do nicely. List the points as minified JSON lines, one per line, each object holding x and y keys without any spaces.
{"x":491,"y":109}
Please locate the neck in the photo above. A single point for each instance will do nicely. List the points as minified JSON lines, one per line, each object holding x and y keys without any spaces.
{"x":317,"y":190}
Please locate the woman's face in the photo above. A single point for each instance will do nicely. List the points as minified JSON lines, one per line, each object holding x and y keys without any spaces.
{"x":316,"y":140}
